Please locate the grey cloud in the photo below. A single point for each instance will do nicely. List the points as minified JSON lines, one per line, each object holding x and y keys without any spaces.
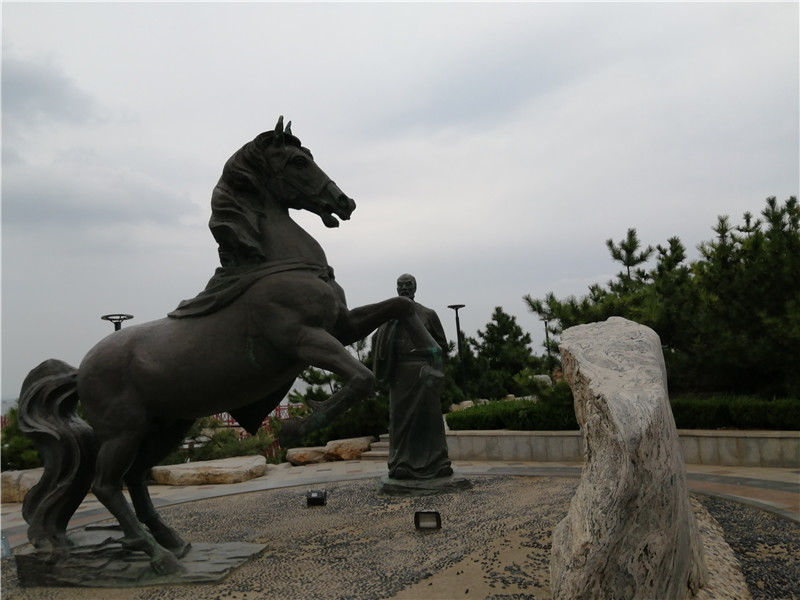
{"x":37,"y":92}
{"x":36,"y":196}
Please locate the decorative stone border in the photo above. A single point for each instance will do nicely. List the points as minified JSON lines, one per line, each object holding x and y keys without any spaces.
{"x":698,"y":446}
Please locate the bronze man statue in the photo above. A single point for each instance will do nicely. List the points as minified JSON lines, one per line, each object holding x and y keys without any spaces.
{"x":417,"y":443}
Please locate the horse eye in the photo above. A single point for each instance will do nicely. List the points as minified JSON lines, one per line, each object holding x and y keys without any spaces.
{"x":298,"y":161}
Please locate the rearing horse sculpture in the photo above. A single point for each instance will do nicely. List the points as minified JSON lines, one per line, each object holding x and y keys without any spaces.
{"x":271,"y":310}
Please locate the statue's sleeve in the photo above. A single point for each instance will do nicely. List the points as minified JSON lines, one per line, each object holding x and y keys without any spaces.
{"x":434,"y":327}
{"x":383,"y":351}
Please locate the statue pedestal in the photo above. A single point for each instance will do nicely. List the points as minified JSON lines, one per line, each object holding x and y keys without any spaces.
{"x":98,"y":560}
{"x":422,"y":487}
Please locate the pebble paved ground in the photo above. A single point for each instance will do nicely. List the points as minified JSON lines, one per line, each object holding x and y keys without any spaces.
{"x":495,"y":544}
{"x":766,"y":545}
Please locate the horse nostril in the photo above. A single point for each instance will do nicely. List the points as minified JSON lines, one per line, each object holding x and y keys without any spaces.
{"x":346,"y":203}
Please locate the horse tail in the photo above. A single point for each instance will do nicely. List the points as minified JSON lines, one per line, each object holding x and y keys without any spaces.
{"x":66,"y":445}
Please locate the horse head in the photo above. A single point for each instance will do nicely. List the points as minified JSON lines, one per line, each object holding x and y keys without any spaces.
{"x":297,"y":181}
{"x":274,"y":169}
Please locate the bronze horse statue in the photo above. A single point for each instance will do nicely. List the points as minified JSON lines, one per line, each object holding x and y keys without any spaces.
{"x":272,"y":309}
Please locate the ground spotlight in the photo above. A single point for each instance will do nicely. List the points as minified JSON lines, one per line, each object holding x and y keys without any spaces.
{"x":427,"y":519}
{"x":316,"y":497}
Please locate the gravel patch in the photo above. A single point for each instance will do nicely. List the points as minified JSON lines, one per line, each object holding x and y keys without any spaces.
{"x":494,"y":543}
{"x":766,"y":545}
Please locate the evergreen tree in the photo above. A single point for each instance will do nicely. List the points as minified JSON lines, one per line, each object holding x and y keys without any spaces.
{"x":502,"y":350}
{"x":626,"y":253}
{"x":729,"y":322}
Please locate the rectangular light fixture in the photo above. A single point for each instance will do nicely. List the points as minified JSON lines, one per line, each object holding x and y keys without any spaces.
{"x":427,"y":519}
{"x":316,"y":497}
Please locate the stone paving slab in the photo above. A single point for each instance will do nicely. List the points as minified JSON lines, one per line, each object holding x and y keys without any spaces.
{"x":97,"y":560}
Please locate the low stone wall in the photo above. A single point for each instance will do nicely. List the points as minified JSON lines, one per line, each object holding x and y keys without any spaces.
{"x":727,"y":448}
{"x":741,"y":448}
{"x":543,"y":446}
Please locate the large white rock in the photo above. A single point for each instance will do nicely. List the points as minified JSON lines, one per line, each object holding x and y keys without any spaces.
{"x":225,"y":470}
{"x":629,"y":531}
{"x":16,"y":484}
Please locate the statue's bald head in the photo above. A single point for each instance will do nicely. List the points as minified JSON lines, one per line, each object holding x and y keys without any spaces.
{"x":406,"y":286}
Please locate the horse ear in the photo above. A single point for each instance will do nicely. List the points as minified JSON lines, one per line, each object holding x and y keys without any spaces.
{"x":288,"y":130}
{"x":278,"y":139}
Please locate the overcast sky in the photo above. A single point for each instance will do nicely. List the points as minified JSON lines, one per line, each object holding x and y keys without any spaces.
{"x":491,"y":148}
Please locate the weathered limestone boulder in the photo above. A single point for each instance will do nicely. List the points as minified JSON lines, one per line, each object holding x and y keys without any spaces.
{"x":225,"y":470}
{"x":348,"y":449}
{"x":629,"y":531}
{"x":461,"y":405}
{"x":306,"y":456}
{"x":15,"y":484}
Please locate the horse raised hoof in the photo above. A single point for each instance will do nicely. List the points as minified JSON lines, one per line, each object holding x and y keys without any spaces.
{"x":315,"y":404}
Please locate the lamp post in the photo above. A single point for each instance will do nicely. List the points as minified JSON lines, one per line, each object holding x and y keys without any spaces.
{"x":546,"y":318}
{"x":455,"y":307}
{"x":117,"y":319}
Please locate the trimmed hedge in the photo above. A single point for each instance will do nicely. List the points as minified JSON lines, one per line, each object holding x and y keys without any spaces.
{"x":553,"y":412}
{"x":736,"y":412}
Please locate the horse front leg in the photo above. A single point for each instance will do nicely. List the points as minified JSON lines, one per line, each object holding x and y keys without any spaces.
{"x":358,"y":323}
{"x":318,"y":348}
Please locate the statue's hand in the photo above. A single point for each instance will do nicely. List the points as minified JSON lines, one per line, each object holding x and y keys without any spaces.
{"x":315,"y":405}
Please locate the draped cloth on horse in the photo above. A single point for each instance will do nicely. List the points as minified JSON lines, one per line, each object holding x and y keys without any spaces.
{"x":228,"y":283}
{"x":224,"y":287}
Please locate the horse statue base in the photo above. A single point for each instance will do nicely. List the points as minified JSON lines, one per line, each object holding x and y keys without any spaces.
{"x":98,"y":559}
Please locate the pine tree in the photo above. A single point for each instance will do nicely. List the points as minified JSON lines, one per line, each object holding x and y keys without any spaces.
{"x":502,"y":350}
{"x":626,"y":252}
{"x":729,"y":322}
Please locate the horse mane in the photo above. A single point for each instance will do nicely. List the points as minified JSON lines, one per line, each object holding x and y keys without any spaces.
{"x":237,"y":202}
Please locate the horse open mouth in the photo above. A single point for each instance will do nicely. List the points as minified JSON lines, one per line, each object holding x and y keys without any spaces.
{"x":343,"y":208}
{"x":328,"y":219}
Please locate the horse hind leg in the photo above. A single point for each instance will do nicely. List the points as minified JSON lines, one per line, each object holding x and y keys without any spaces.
{"x":154,"y":448}
{"x":115,"y":456}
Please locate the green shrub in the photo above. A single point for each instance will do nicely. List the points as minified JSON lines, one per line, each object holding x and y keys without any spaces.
{"x":369,"y":417}
{"x":17,"y":450}
{"x":735,"y":412}
{"x":223,"y":443}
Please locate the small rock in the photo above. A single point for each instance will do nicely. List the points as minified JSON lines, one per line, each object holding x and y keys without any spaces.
{"x":226,"y":470}
{"x":306,"y":456}
{"x":462,"y":405}
{"x":348,"y":449}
